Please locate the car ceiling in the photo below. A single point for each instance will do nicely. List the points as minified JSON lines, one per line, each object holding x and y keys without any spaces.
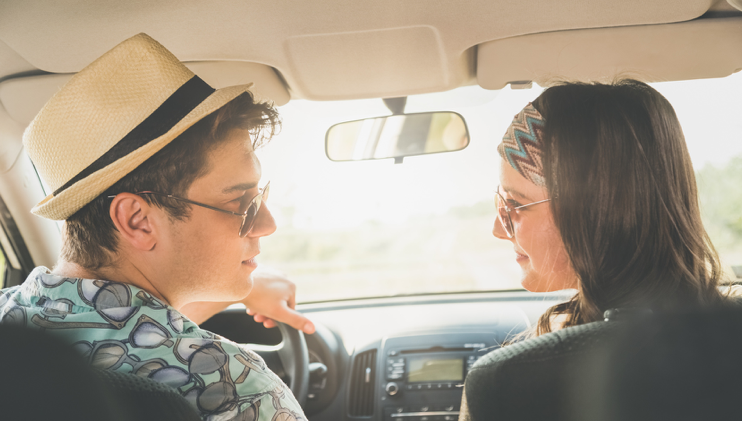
{"x":322,"y":50}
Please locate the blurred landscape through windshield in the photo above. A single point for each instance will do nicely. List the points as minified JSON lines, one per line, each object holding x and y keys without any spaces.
{"x":372,"y":228}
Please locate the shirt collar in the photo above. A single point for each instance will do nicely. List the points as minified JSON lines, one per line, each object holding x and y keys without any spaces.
{"x":94,"y":293}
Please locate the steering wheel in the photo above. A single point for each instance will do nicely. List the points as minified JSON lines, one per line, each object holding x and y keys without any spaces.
{"x":294,"y":356}
{"x":292,"y":353}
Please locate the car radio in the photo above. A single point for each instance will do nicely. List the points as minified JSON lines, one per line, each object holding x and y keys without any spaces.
{"x":425,"y":383}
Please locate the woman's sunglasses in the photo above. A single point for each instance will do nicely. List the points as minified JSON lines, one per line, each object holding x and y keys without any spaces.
{"x":503,"y":212}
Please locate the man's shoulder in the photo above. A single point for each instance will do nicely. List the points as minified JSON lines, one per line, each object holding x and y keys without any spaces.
{"x":122,"y":328}
{"x":218,"y":376}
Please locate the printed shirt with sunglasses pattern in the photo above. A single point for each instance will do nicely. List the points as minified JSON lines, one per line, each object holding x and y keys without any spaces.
{"x":121,"y":327}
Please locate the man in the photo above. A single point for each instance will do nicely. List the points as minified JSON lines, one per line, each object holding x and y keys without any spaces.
{"x":154,"y":173}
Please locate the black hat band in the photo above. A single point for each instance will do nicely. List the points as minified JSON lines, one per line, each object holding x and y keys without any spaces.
{"x":164,"y":118}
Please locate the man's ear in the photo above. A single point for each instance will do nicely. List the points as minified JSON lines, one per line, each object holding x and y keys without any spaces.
{"x":134,"y":219}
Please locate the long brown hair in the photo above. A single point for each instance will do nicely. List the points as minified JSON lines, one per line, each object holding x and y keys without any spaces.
{"x":625,"y":202}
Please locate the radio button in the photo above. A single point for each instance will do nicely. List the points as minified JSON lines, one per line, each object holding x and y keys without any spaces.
{"x":395,"y":368}
{"x":392,"y":388}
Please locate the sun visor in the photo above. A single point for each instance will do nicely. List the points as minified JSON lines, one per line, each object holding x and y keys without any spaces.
{"x":701,"y":48}
{"x":383,"y":63}
{"x":22,"y":98}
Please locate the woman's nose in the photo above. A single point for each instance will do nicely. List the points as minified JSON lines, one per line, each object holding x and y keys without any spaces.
{"x":499,"y":231}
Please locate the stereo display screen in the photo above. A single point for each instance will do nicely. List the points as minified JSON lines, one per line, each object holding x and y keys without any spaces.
{"x":432,"y":370}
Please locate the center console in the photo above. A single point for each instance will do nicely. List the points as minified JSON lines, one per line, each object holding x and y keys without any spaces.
{"x":423,"y":375}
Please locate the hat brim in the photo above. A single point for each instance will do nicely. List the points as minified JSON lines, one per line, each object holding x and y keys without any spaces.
{"x":75,"y":197}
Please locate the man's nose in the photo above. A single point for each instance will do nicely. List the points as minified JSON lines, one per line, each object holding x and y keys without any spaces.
{"x":264,"y":223}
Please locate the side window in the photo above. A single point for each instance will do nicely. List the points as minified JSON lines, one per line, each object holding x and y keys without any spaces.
{"x":2,"y":269}
{"x":8,"y":261}
{"x":15,"y":260}
{"x":721,"y":201}
{"x":718,"y":168}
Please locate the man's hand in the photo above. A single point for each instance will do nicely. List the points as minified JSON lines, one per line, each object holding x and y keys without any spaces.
{"x":273,"y":298}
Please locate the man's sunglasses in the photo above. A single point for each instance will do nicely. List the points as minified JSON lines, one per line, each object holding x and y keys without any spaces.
{"x":248,"y":210}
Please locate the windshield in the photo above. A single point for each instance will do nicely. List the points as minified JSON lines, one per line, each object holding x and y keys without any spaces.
{"x":373,"y":228}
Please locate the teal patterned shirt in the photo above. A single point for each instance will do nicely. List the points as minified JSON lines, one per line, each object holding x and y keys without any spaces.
{"x":123,"y":328}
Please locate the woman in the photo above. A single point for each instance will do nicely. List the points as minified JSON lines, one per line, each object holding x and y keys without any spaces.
{"x":598,"y":194}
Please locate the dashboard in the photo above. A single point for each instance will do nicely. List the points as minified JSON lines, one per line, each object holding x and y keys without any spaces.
{"x":398,"y":358}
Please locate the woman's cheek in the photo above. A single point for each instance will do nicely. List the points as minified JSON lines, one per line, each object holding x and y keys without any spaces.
{"x":561,"y":274}
{"x":548,"y":256}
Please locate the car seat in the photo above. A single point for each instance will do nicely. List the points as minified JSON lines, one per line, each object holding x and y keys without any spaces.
{"x":669,"y":366}
{"x":44,"y":379}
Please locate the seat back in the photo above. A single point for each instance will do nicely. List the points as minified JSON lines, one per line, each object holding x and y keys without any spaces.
{"x":44,"y":379}
{"x":530,"y":380}
{"x":680,"y":366}
{"x":145,"y":399}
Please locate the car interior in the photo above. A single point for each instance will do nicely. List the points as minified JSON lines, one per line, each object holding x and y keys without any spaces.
{"x":389,"y":243}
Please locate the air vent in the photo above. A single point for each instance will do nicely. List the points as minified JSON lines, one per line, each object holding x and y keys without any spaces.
{"x":361,"y":402}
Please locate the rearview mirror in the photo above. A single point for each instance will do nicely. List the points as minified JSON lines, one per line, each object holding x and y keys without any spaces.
{"x":396,"y":136}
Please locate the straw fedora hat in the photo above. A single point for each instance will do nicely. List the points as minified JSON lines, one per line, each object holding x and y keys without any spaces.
{"x":111,"y":117}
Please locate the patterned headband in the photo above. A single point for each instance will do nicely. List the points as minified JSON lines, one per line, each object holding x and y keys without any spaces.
{"x":522,"y":145}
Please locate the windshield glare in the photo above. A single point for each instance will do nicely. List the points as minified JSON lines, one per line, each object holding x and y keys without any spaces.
{"x":373,"y":228}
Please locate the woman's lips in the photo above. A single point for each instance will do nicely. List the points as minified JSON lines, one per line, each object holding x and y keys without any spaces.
{"x":250,"y":262}
{"x":520,"y":257}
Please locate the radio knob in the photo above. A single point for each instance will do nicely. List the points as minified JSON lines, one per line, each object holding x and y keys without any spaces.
{"x":392,"y":388}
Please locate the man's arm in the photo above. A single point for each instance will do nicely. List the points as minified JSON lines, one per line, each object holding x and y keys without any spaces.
{"x":273,"y":298}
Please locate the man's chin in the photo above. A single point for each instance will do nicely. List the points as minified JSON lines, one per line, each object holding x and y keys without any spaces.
{"x":242,"y":289}
{"x":233,"y":294}
{"x":245,"y":293}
